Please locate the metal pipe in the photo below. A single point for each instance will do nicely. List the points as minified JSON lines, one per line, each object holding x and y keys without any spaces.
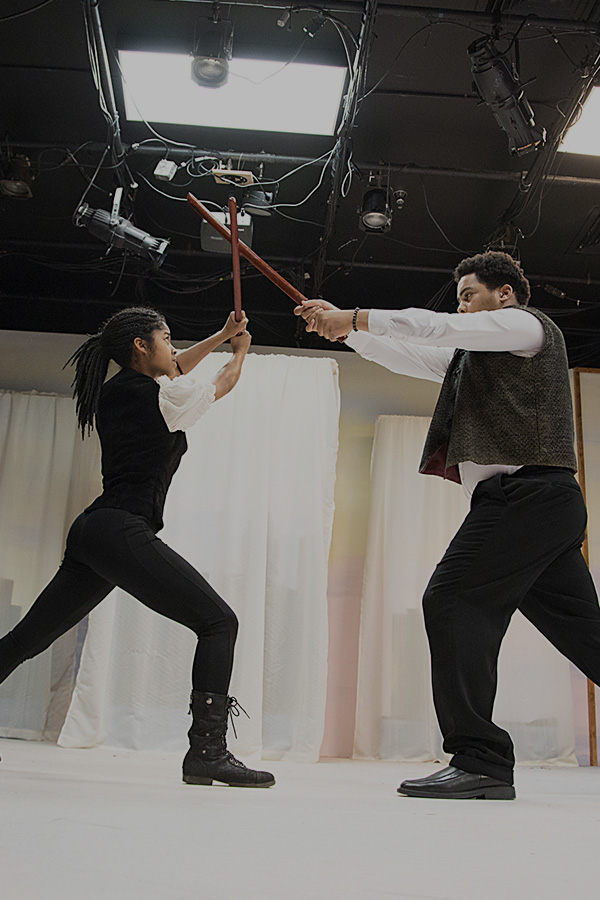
{"x":545,"y":277}
{"x":176,"y":153}
{"x":105,"y":76}
{"x":435,"y":14}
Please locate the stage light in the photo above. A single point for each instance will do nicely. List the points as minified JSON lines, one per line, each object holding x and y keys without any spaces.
{"x":498,"y":85}
{"x":119,"y":232}
{"x":376,"y":210}
{"x":212,"y":51}
{"x":315,"y":25}
{"x":257,"y":201}
{"x":17,"y":178}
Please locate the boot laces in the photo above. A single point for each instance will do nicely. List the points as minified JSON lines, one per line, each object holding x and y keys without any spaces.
{"x":233,"y":710}
{"x":233,"y":761}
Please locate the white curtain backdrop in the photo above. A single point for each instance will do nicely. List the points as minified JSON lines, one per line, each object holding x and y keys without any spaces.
{"x":252,"y":508}
{"x":47,"y":475}
{"x":412,"y":520}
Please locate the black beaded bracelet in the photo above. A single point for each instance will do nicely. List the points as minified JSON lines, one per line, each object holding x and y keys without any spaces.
{"x":356,"y":311}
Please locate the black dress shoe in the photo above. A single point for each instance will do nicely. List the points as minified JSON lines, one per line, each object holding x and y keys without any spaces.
{"x":454,"y":784}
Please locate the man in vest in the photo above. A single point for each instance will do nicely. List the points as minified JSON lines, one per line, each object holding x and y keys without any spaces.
{"x":503,"y":427}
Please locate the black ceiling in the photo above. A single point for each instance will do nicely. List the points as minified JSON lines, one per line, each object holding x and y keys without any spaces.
{"x":416,"y":119}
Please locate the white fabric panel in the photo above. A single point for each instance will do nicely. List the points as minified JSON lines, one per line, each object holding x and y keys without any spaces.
{"x":47,"y":474}
{"x":251,"y":507}
{"x":412,"y":520}
{"x":590,"y":403}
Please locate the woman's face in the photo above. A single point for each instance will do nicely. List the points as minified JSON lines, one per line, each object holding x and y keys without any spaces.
{"x":161,"y":354}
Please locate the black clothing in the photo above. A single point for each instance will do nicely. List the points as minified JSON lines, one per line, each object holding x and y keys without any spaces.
{"x":113,"y":543}
{"x":518,"y":548}
{"x":108,"y":548}
{"x":498,"y":408}
{"x":208,"y":758}
{"x":139,"y":453}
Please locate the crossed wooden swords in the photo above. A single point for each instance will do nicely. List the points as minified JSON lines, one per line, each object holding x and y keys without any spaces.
{"x":238,"y":247}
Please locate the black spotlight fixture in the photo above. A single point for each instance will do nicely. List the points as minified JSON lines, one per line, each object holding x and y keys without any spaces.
{"x":257,"y":201}
{"x":119,"y":232}
{"x":497,"y":83}
{"x":17,"y":177}
{"x":315,"y":25}
{"x":376,"y":210}
{"x":212,"y":51}
{"x":375,"y":213}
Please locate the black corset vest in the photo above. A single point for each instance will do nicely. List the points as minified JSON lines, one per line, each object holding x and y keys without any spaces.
{"x":139,"y":453}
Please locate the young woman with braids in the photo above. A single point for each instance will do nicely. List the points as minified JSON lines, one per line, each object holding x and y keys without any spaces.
{"x":141,"y":415}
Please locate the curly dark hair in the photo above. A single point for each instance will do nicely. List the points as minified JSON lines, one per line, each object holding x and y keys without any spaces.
{"x":113,"y":341}
{"x":495,"y":268}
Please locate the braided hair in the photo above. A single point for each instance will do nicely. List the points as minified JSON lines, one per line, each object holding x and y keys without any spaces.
{"x":113,"y":341}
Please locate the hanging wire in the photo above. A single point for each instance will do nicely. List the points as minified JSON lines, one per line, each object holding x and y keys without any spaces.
{"x":25,"y":12}
{"x":437,"y":224}
{"x":160,"y":137}
{"x":295,"y":219}
{"x":92,"y":180}
{"x":439,"y":298}
{"x":541,"y":176}
{"x":276,"y":72}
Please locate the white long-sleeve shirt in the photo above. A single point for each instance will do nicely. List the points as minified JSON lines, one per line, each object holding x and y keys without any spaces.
{"x":421,"y":343}
{"x":183,"y":400}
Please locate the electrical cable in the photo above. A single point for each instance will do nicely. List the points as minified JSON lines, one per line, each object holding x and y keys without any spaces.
{"x":439,"y":298}
{"x":162,"y":193}
{"x":278,"y":206}
{"x":294,"y":219}
{"x":120,"y":276}
{"x":536,"y":183}
{"x":25,"y":12}
{"x":160,"y":137}
{"x":437,"y":225}
{"x":276,"y":72}
{"x":91,"y":184}
{"x":395,"y":240}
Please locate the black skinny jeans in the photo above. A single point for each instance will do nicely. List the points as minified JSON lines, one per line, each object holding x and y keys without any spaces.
{"x":109,"y":548}
{"x":518,"y":548}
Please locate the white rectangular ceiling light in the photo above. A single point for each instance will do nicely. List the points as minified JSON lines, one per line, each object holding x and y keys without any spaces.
{"x":584,"y":135}
{"x":260,"y":95}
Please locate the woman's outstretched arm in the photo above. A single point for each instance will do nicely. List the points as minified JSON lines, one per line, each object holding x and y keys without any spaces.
{"x":227,"y":377}
{"x":188,"y":359}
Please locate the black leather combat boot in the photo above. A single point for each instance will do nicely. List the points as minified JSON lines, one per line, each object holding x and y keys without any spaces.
{"x":208,"y":758}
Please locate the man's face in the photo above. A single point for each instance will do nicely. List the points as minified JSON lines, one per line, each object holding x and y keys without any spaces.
{"x":473,"y":295}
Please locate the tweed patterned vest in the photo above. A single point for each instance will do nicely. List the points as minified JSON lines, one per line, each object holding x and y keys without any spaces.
{"x":502,"y":409}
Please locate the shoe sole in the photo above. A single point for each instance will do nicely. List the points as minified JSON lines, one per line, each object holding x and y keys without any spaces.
{"x":496,"y":792}
{"x":197,"y":779}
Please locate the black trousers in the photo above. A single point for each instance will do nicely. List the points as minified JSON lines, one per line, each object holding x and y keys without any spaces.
{"x":518,"y":548}
{"x":111,"y":547}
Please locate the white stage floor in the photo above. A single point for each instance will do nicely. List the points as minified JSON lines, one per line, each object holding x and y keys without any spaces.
{"x":119,"y":825}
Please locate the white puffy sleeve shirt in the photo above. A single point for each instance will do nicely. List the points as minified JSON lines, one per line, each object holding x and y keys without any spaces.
{"x":421,"y":343}
{"x":184,"y":400}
